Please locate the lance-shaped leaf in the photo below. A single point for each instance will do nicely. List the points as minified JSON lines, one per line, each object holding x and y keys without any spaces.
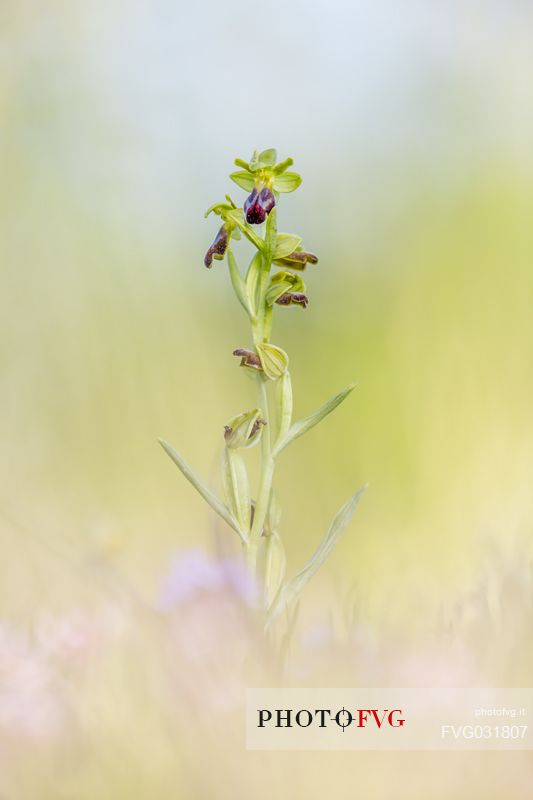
{"x":305,"y":424}
{"x":283,"y":399}
{"x":210,"y":498}
{"x":237,"y":282}
{"x":286,"y":243}
{"x":272,"y":565}
{"x":252,"y":281}
{"x":292,"y":589}
{"x":271,"y":231}
{"x":237,"y":487}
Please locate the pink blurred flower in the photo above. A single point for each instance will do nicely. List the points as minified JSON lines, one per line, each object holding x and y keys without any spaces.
{"x":192,"y":573}
{"x":210,"y":607}
{"x":31,"y":704}
{"x":77,"y":634}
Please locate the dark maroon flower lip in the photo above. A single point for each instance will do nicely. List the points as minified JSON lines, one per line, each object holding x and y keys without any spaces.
{"x":258,"y":205}
{"x":218,"y":249}
{"x":293,"y":298}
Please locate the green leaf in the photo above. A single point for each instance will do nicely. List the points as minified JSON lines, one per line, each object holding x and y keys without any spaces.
{"x":210,"y":498}
{"x":283,"y":400}
{"x":286,"y":243}
{"x":268,"y":157}
{"x":287,"y":182}
{"x":292,"y":589}
{"x":244,"y":180}
{"x":272,"y":565}
{"x":237,"y":282}
{"x":273,"y":519}
{"x":271,"y":232}
{"x":305,"y":424}
{"x":252,"y":281}
{"x":274,"y":360}
{"x":237,"y":487}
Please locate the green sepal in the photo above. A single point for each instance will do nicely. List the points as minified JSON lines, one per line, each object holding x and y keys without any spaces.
{"x":268,"y":157}
{"x":237,"y":487}
{"x":274,"y":360}
{"x":244,"y":180}
{"x":282,"y":282}
{"x":210,"y":498}
{"x":287,"y":182}
{"x":275,"y":291}
{"x":340,"y":522}
{"x":286,"y":243}
{"x":240,"y":163}
{"x":305,"y":424}
{"x":283,"y":276}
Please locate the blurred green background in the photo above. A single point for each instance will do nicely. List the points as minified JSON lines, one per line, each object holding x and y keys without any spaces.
{"x":412,"y":126}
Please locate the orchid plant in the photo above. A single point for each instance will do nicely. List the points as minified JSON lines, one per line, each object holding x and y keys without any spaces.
{"x":273,"y":280}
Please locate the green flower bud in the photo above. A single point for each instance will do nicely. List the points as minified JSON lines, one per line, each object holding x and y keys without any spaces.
{"x":281,"y":283}
{"x":244,"y":430}
{"x":274,"y":360}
